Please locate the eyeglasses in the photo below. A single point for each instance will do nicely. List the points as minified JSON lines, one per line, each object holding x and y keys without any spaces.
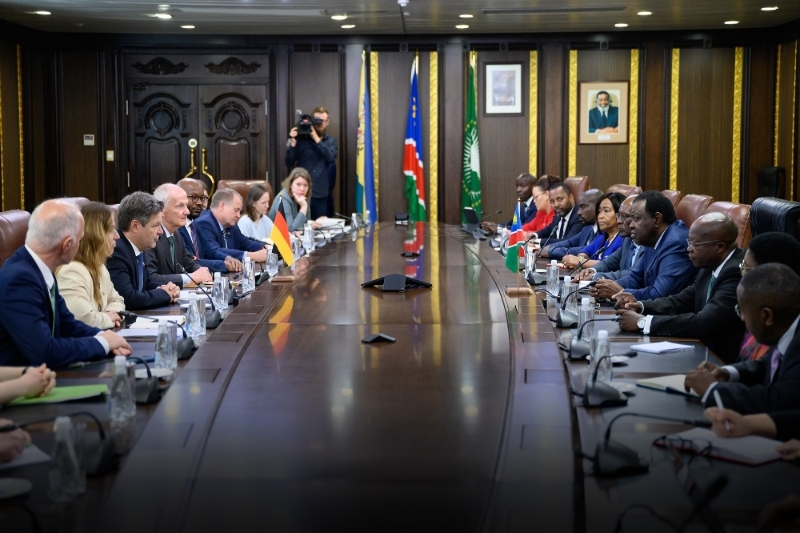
{"x":744,"y":269}
{"x":737,"y":310}
{"x":536,"y":196}
{"x":195,"y":198}
{"x":693,"y":244}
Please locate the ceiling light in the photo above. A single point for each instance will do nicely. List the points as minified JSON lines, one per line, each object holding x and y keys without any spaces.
{"x":163,"y":6}
{"x":163,"y":16}
{"x":621,"y":25}
{"x":644,"y":13}
{"x":465,"y":16}
{"x":348,"y":26}
{"x":462,"y":26}
{"x":188,"y":27}
{"x":773,"y":8}
{"x":339,"y":17}
{"x":41,"y":12}
{"x":731,"y":22}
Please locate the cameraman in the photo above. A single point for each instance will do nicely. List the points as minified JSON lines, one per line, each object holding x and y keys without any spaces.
{"x":315,"y":152}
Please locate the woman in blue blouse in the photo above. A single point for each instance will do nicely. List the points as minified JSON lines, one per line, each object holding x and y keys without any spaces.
{"x":608,"y":239}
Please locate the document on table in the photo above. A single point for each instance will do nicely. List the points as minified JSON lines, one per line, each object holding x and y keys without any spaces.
{"x":64,"y":394}
{"x":151,"y":322}
{"x":750,"y":450}
{"x":671,"y":384}
{"x":661,"y":347}
{"x":142,"y":332}
{"x":31,"y":455}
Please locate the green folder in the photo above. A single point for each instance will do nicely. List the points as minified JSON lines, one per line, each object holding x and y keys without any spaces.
{"x":64,"y":394}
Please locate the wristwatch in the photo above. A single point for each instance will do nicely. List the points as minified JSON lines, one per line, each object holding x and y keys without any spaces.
{"x":641,"y":323}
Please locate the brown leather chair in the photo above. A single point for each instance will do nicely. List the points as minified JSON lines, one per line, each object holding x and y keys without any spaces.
{"x":692,"y":207}
{"x":740,"y":213}
{"x":78,"y":201}
{"x":627,"y":190}
{"x":674,"y":197}
{"x":243,"y":187}
{"x":578,"y":185}
{"x":13,"y":229}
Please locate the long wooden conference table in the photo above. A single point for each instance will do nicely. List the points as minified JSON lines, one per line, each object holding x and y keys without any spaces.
{"x":284,"y":420}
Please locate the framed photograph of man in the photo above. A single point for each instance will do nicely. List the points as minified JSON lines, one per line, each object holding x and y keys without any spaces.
{"x":603,"y":112}
{"x":503,"y":92}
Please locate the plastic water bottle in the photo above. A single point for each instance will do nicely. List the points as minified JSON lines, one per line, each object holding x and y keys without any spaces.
{"x":569,"y":288}
{"x":218,"y":292}
{"x":248,"y":275}
{"x":552,"y":278}
{"x":201,"y":309}
{"x":166,"y":345}
{"x":600,"y":348}
{"x":65,"y":467}
{"x":122,"y":405}
{"x":308,"y":238}
{"x":585,"y":314}
{"x":194,"y":325}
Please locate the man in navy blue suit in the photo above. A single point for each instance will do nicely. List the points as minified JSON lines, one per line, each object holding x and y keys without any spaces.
{"x":666,"y":270}
{"x":35,"y":325}
{"x":566,"y":224}
{"x":604,"y":118}
{"x":220,"y":233}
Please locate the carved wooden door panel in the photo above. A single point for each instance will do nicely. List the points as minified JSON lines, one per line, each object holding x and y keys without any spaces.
{"x":234,"y":130}
{"x":161,"y":120}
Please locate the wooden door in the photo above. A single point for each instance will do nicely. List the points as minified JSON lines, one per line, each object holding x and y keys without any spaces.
{"x":234,"y":130}
{"x":161,"y":120}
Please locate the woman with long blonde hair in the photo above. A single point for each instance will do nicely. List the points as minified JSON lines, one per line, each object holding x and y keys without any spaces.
{"x":84,"y":283}
{"x":294,"y":197}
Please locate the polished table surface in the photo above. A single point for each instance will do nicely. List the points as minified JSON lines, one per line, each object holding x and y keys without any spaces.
{"x":283,"y":420}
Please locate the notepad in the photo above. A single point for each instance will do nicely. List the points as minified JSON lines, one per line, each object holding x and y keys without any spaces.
{"x":65,"y":394}
{"x":751,"y":450}
{"x":145,"y":322}
{"x":672,"y":384}
{"x":661,"y":347}
{"x":141,"y":332}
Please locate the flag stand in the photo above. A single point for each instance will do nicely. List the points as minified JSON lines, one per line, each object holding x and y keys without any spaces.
{"x":518,"y":291}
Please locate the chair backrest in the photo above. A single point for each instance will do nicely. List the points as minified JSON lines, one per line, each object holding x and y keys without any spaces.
{"x":775,"y":214}
{"x":13,"y":229}
{"x":740,"y":213}
{"x":578,"y":185}
{"x":243,"y":187}
{"x":674,"y":197}
{"x":692,"y":207}
{"x":771,"y":182}
{"x":627,"y":190}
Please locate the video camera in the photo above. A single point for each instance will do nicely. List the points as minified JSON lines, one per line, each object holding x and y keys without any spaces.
{"x":305,"y":124}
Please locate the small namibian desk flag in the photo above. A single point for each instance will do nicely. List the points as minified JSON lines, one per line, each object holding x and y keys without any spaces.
{"x":280,"y":235}
{"x":515,"y":240}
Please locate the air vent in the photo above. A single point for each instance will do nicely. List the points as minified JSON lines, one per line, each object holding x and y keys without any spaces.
{"x":552,"y":10}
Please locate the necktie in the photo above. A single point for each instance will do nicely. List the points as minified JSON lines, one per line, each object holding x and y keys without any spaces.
{"x":193,"y":235}
{"x":775,"y":362}
{"x":710,"y":286}
{"x":559,"y":228}
{"x":140,"y":271}
{"x":603,"y":121}
{"x":53,"y":308}
{"x":224,"y":239}
{"x":171,"y":240}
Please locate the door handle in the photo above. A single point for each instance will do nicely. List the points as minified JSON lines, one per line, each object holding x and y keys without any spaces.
{"x":192,"y":153}
{"x":204,"y":153}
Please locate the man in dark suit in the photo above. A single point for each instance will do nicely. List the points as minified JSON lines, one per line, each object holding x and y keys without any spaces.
{"x":618,"y":264}
{"x":192,"y":241}
{"x":587,"y":214}
{"x":705,"y":309}
{"x":35,"y":325}
{"x":566,"y":223}
{"x":769,"y":305}
{"x":163,"y":261}
{"x":139,"y":222}
{"x":220,"y":234}
{"x":604,"y":118}
{"x":664,"y":270}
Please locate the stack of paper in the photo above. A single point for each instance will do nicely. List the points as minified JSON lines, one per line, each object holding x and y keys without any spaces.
{"x":64,"y":394}
{"x":751,"y":450}
{"x":661,"y":347}
{"x":672,"y":384}
{"x":151,"y":322}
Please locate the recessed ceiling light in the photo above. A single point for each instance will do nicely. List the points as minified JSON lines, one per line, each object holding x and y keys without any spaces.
{"x":41,"y":13}
{"x":621,"y":25}
{"x":339,"y":17}
{"x":772,"y":8}
{"x":188,"y":27}
{"x":465,"y":16}
{"x":348,"y":26}
{"x":644,"y":13}
{"x":462,"y":26}
{"x":163,"y":16}
{"x":731,"y":22}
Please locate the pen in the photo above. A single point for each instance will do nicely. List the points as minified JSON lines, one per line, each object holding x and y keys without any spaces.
{"x":720,"y":407}
{"x":615,"y":296}
{"x":706,"y":354}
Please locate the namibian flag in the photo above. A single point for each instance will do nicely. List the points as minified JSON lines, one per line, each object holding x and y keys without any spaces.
{"x":413,"y":166}
{"x":280,"y":235}
{"x":514,"y":243}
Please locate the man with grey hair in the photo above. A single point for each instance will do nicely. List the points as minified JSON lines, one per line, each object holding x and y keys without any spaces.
{"x":139,"y":225}
{"x":169,"y":261}
{"x":35,"y":325}
{"x":221,"y":236}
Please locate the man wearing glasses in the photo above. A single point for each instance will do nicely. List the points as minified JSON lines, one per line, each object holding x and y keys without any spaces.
{"x":315,"y":152}
{"x":705,"y":309}
{"x":197,"y":196}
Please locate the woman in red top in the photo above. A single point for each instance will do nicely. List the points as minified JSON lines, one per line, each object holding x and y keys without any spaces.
{"x":544,"y":211}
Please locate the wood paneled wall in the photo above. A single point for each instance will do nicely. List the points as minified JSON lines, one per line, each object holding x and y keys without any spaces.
{"x":786,"y":115}
{"x":11,"y":167}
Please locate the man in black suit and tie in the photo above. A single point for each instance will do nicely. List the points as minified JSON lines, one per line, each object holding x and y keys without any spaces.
{"x":705,"y":309}
{"x":769,"y":305}
{"x":566,"y":224}
{"x":169,"y":252}
{"x":139,"y":222}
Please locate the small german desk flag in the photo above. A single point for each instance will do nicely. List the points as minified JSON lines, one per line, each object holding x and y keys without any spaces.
{"x":280,"y":235}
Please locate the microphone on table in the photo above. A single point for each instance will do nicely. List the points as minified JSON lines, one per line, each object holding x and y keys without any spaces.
{"x":568,"y":319}
{"x":213,"y":317}
{"x":352,"y":227}
{"x":580,"y":349}
{"x":186,"y":346}
{"x":615,"y":459}
{"x":491,"y":214}
{"x":145,"y":390}
{"x":533,"y":277}
{"x":599,"y":394}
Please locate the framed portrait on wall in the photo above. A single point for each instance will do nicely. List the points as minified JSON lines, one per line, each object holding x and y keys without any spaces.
{"x":603,"y":112}
{"x":503,"y":91}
